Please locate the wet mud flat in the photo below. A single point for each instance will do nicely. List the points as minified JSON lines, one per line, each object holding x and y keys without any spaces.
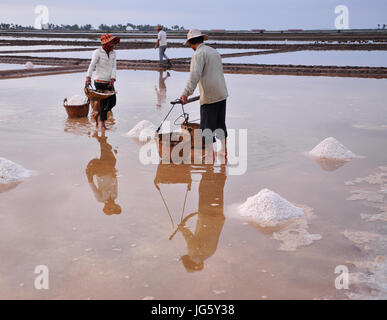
{"x":61,"y":217}
{"x":183,"y":66}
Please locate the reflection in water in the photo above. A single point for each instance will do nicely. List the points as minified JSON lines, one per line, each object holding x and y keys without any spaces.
{"x":161,"y":92}
{"x":8,"y":186}
{"x":105,"y":186}
{"x":202,"y":243}
{"x":78,"y":126}
{"x":330,"y":164}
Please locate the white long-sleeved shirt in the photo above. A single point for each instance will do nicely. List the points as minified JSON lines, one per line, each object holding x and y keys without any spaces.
{"x":105,"y":66}
{"x":207,"y":70}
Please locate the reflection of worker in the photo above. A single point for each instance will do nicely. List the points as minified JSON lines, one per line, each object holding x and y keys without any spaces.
{"x":203,"y":243}
{"x":161,"y":92}
{"x":105,"y":189}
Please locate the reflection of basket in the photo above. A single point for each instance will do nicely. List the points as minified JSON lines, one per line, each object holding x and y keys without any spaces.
{"x":192,"y":128}
{"x":76,"y":111}
{"x":97,"y":94}
{"x":167,"y":143}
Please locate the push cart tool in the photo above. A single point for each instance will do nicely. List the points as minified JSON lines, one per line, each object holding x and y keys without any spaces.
{"x":175,"y":102}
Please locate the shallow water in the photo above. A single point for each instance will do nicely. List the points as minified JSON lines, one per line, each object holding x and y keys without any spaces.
{"x":131,"y":54}
{"x":40,"y":47}
{"x":62,"y":218}
{"x":14,"y":66}
{"x":331,"y":58}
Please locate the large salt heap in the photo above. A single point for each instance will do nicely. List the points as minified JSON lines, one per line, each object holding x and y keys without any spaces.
{"x":142,"y":131}
{"x":12,"y":172}
{"x":269,"y":207}
{"x":330,"y":148}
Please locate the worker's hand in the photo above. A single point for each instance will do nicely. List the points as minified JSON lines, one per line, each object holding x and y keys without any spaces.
{"x":88,"y":81}
{"x":183,"y":99}
{"x":111,"y":83}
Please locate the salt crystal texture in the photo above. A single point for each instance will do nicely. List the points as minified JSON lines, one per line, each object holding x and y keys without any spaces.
{"x":330,"y":148}
{"x":12,"y":172}
{"x":29,"y":65}
{"x":76,"y":100}
{"x":268,"y":207}
{"x":142,"y":130}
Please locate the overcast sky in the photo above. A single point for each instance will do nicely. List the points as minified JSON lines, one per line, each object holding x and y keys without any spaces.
{"x":202,"y":14}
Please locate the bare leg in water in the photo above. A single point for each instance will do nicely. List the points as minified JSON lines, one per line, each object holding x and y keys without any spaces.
{"x":222,"y":153}
{"x":95,"y":114}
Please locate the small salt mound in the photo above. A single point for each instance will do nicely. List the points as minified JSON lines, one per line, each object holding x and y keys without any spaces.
{"x":12,"y":172}
{"x":142,"y":130}
{"x":330,"y":148}
{"x":29,"y":65}
{"x":76,"y":100}
{"x":268,"y":207}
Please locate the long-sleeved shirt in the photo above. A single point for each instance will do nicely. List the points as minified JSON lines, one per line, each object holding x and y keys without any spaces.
{"x":207,"y":70}
{"x":105,"y":66}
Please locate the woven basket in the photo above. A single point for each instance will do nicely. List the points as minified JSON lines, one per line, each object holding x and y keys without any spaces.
{"x":77,"y":111}
{"x":97,"y":94}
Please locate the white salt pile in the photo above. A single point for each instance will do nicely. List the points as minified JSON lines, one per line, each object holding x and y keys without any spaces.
{"x":12,"y":172}
{"x":143,"y":131}
{"x":29,"y":65}
{"x":330,"y":148}
{"x":269,"y":207}
{"x":76,"y":100}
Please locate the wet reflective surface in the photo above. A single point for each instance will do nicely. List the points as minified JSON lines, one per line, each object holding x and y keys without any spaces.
{"x":109,"y":227}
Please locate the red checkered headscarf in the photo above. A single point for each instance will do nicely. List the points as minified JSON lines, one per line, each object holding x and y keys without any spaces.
{"x":108,"y":41}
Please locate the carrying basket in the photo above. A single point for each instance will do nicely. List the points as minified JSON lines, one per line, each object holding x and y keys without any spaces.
{"x":77,"y":111}
{"x":94,"y":94}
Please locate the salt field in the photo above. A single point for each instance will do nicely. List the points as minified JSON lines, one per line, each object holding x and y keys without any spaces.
{"x":57,"y":217}
{"x":131,"y":54}
{"x":325,"y":58}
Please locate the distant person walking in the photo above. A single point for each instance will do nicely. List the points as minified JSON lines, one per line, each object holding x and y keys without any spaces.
{"x":104,"y":62}
{"x":207,"y":70}
{"x":162,"y":44}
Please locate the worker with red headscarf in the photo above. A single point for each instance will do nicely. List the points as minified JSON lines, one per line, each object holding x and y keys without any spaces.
{"x":104,"y":63}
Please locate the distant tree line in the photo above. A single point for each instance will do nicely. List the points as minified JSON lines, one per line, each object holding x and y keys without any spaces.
{"x":88,"y":27}
{"x":11,"y":26}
